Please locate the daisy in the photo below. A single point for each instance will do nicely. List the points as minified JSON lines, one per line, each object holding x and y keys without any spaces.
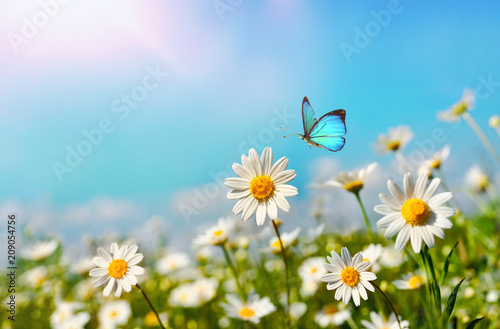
{"x":172,"y":262}
{"x":309,"y":287}
{"x":378,"y":322}
{"x":40,"y":250}
{"x":36,"y":277}
{"x":83,"y":266}
{"x":287,"y":239}
{"x":435,"y":161}
{"x":417,"y":216}
{"x":185,"y":295}
{"x":261,"y":186}
{"x":114,"y":314}
{"x":312,"y":269}
{"x":253,"y":310}
{"x":395,"y":140}
{"x":117,"y":271}
{"x":465,"y":104}
{"x":477,"y":179}
{"x":349,"y":276}
{"x":65,"y":314}
{"x":391,"y":257}
{"x":215,"y":235}
{"x":330,"y":315}
{"x":352,"y":181}
{"x":409,"y":281}
{"x":372,"y":253}
{"x":297,"y":310}
{"x":494,"y":121}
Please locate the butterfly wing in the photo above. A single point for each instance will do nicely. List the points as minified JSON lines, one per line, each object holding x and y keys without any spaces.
{"x":307,"y":116}
{"x":327,"y":130}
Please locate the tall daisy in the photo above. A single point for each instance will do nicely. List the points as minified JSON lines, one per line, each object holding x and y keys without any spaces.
{"x":349,"y":276}
{"x":40,"y":250}
{"x":378,"y":322}
{"x":253,"y":310}
{"x":216,"y":235}
{"x":287,"y":239}
{"x":118,"y":270}
{"x":477,"y":179}
{"x":417,"y":215}
{"x":409,"y":281}
{"x":261,"y":186}
{"x":455,"y":112}
{"x":352,"y":181}
{"x":435,"y":161}
{"x":396,"y":140}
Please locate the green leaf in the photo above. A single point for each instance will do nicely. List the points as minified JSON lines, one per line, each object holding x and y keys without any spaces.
{"x":450,"y":304}
{"x":447,"y":264}
{"x":472,"y":324}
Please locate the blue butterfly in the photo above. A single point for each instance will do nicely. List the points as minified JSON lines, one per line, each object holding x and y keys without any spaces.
{"x":325,"y":132}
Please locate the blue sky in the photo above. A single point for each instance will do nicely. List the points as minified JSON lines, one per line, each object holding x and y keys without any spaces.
{"x":226,"y":80}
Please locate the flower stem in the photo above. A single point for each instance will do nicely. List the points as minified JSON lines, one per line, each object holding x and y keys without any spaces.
{"x":241,"y":292}
{"x":402,"y":161}
{"x":482,"y":137}
{"x":389,"y":302}
{"x":150,"y":305}
{"x":288,"y":320}
{"x":367,"y":222}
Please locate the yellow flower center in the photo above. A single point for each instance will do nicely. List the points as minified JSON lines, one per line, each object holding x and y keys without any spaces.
{"x":117,"y":268}
{"x":482,"y":183}
{"x":415,"y":212}
{"x":150,"y":319}
{"x":436,"y":164}
{"x":394,"y":146}
{"x":460,"y":108}
{"x":218,"y":233}
{"x":246,"y":312}
{"x":354,"y":187}
{"x":314,"y":270}
{"x":330,"y":309}
{"x":113,"y":314}
{"x":261,"y":187}
{"x":349,"y":276}
{"x":415,"y":281}
{"x":277,"y":245}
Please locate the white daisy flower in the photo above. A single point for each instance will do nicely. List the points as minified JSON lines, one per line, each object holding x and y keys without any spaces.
{"x":435,"y":161}
{"x":253,"y":310}
{"x":349,"y":276}
{"x":172,"y":262}
{"x":494,"y":121}
{"x":297,"y":310}
{"x":77,"y":321}
{"x":391,"y":257}
{"x":395,"y":140}
{"x":331,"y":315}
{"x":114,"y":314}
{"x":65,"y":312}
{"x":261,"y":186}
{"x":117,"y":271}
{"x":309,"y":287}
{"x":352,"y":181}
{"x":36,"y":277}
{"x":185,"y":295}
{"x":287,"y":239}
{"x":83,"y":266}
{"x":206,"y":288}
{"x":40,"y":250}
{"x":215,"y":235}
{"x":477,"y":179}
{"x":312,"y":269}
{"x":417,"y":216}
{"x":466,"y":103}
{"x":409,"y":281}
{"x":372,"y":253}
{"x":378,"y":322}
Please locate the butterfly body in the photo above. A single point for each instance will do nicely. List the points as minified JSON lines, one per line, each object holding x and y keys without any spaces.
{"x":325,"y":132}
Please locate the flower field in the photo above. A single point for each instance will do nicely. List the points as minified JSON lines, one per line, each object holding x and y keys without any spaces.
{"x":422,"y":262}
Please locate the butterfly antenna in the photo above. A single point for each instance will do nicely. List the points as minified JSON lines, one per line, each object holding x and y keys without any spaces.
{"x":295,"y":133}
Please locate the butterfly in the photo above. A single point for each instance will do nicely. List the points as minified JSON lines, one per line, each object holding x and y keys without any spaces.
{"x":323,"y":132}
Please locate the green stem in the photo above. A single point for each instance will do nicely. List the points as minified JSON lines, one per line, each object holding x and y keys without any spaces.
{"x":150,"y":305}
{"x":389,"y":302}
{"x":482,"y":137}
{"x":283,"y":253}
{"x":230,"y":264}
{"x":367,"y":222}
